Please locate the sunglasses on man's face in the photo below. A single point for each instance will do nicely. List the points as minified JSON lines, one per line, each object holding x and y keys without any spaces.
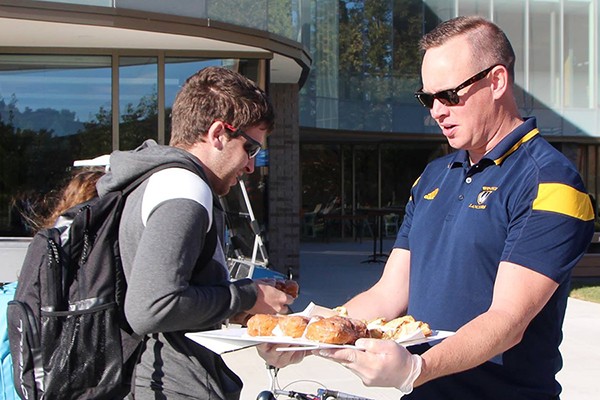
{"x":450,"y":97}
{"x":251,"y":146}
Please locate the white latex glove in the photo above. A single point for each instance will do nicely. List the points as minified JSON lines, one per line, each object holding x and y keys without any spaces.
{"x":381,"y":363}
{"x":406,"y":386}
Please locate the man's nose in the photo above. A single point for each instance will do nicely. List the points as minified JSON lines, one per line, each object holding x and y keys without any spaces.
{"x":438,"y":109}
{"x":249,"y":168}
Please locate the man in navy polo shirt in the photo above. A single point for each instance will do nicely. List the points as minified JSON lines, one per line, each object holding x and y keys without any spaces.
{"x":486,"y":248}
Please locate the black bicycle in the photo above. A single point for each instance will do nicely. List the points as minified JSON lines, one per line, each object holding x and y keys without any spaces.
{"x":321,"y":394}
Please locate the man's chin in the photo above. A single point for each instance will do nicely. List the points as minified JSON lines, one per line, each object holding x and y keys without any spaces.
{"x":221,"y":190}
{"x":455,"y":144}
{"x":224,"y":188}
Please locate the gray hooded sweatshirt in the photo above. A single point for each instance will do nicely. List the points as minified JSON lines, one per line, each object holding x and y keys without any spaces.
{"x":163,"y":231}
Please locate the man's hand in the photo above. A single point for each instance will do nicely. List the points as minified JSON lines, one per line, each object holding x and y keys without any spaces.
{"x":240,"y":318}
{"x":269,"y":299}
{"x":279,"y":359}
{"x":379,"y":362}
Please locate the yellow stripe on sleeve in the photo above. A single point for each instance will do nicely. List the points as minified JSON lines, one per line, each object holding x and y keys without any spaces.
{"x":563,"y":199}
{"x":416,"y":181}
{"x":413,"y":185}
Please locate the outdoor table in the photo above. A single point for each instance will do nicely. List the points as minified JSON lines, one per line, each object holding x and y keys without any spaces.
{"x":377,"y":217}
{"x":354,"y":220}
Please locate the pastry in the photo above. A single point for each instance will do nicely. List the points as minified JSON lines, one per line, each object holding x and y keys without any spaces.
{"x":341,"y":311}
{"x":262,"y":324}
{"x":407,"y":328}
{"x":397,"y":328}
{"x":375,"y":328}
{"x":293,"y":325}
{"x":336,"y":330}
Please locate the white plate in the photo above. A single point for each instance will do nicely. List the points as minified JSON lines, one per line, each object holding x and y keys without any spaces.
{"x":231,"y":339}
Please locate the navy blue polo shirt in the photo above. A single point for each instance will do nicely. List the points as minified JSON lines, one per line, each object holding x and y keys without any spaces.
{"x":524,"y":203}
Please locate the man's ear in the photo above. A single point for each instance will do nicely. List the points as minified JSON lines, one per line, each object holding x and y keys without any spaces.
{"x":216,"y":135}
{"x":500,"y":81}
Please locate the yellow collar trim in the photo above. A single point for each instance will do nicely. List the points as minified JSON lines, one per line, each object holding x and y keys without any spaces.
{"x":524,"y":139}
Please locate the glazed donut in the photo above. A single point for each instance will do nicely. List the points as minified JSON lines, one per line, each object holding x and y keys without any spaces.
{"x":336,"y":330}
{"x":293,"y":325}
{"x":262,"y":324}
{"x":359,"y":327}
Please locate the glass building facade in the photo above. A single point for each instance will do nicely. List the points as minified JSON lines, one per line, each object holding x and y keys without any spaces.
{"x":366,"y":62}
{"x":359,"y":114}
{"x":363,"y":137}
{"x":55,"y":109}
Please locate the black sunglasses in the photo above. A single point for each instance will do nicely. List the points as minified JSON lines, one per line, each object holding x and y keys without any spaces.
{"x":251,"y":146}
{"x":450,"y":97}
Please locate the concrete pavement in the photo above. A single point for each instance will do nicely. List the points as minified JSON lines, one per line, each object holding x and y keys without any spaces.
{"x":580,"y":375}
{"x":333,"y":272}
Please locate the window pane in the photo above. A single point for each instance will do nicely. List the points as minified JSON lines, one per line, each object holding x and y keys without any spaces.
{"x":321,"y":186}
{"x":510,"y":16}
{"x":474,"y":7}
{"x":325,"y":63}
{"x":138,"y":99}
{"x":250,"y":13}
{"x":102,"y":3}
{"x":401,"y":165}
{"x":54,"y":109}
{"x":366,"y":164}
{"x":321,"y":175}
{"x":577,"y":89}
{"x":544,"y":58}
{"x":283,"y":18}
{"x":406,"y":112}
{"x":436,"y":11}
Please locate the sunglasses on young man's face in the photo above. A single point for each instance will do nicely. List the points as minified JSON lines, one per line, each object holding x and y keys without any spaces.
{"x":450,"y":97}
{"x":251,"y":146}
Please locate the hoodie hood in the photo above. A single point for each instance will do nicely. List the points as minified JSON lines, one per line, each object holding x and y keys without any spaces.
{"x":127,"y":166}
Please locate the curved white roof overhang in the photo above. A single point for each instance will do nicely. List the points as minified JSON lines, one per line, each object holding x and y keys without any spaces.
{"x":31,"y":25}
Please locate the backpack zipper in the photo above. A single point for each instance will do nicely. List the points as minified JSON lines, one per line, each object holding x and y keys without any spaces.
{"x":54,"y":275}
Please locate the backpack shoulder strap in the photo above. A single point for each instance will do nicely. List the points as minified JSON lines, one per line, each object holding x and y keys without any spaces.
{"x":211,"y":242}
{"x":185,"y":164}
{"x":210,"y":245}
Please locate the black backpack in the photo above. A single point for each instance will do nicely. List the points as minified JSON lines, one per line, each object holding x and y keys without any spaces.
{"x":69,"y":338}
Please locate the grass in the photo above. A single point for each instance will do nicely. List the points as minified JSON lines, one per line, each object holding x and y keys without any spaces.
{"x":588,"y":290}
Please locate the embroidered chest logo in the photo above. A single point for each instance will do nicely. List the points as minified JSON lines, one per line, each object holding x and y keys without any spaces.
{"x":431,"y":195}
{"x":482,"y":197}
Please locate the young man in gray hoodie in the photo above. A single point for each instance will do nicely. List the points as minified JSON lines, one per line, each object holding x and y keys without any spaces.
{"x":220,"y":120}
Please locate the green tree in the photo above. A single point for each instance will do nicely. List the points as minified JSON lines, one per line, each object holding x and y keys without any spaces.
{"x":282,"y":18}
{"x":35,"y":160}
{"x":139,"y":123}
{"x":250,"y":13}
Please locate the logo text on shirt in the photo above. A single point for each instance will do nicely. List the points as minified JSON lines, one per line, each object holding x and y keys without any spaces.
{"x":482,"y":197}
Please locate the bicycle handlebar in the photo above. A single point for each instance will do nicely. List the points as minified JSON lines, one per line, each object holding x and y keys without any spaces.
{"x":322,"y":394}
{"x":334,"y":394}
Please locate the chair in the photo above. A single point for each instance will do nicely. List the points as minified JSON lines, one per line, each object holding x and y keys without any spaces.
{"x":390,"y":223}
{"x":312,"y":224}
